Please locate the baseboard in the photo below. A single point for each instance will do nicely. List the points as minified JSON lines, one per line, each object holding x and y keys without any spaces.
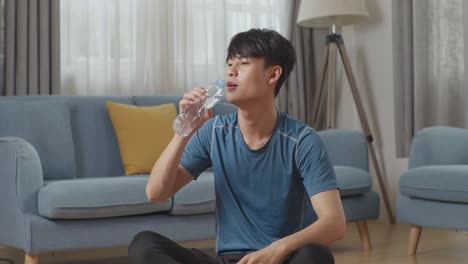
{"x":89,"y":254}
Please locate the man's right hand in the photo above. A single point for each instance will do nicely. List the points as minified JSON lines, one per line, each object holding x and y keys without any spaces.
{"x":194,"y":96}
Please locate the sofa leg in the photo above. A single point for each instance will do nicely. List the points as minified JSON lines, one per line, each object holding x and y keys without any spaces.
{"x":415,"y":234}
{"x":31,"y":259}
{"x":364,"y":235}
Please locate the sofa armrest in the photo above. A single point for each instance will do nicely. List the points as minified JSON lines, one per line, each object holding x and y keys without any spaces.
{"x":21,"y":175}
{"x":439,"y":146}
{"x":346,"y":148}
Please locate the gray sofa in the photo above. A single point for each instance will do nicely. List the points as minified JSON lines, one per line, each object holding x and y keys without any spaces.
{"x":62,"y":183}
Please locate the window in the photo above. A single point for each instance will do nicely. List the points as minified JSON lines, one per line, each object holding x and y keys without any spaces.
{"x":135,"y":47}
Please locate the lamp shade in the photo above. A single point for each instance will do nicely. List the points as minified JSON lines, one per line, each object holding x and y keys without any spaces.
{"x":325,"y":13}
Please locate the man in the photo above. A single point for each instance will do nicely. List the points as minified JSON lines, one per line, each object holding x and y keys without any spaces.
{"x":270,"y":170}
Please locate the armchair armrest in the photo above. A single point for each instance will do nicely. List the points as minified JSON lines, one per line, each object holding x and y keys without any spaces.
{"x":346,"y":148}
{"x":439,"y":146}
{"x":21,"y":175}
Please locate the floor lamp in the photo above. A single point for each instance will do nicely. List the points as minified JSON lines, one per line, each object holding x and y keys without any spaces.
{"x":335,"y":13}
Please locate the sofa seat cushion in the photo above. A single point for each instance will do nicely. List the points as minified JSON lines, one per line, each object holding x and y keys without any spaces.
{"x":97,"y":198}
{"x":197,"y":197}
{"x":352,"y":181}
{"x":447,"y":183}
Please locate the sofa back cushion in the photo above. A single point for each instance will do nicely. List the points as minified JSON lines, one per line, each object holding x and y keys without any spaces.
{"x":46,"y":125}
{"x":97,"y":150}
{"x":220,"y":109}
{"x":152,"y":100}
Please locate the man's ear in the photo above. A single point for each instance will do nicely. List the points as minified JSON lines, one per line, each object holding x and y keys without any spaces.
{"x":274,"y":74}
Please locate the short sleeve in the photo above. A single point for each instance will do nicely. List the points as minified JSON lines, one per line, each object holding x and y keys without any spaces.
{"x":196,"y":157}
{"x":313,"y":163}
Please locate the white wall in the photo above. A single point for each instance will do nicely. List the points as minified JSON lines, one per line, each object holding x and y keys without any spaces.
{"x":370,"y":49}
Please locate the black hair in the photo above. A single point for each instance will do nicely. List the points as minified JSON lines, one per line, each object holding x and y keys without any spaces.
{"x":267,"y":44}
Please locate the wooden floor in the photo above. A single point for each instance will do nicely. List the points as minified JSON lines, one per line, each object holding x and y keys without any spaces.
{"x":389,"y":243}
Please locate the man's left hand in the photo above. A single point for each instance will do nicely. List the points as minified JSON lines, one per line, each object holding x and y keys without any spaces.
{"x":273,"y":254}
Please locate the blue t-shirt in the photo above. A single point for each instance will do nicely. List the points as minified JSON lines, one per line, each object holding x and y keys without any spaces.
{"x":261,"y":195}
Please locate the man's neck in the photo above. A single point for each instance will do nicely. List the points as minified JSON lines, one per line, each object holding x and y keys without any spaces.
{"x":257,"y":124}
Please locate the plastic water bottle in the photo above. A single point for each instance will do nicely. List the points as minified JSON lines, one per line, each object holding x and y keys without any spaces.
{"x":187,"y":120}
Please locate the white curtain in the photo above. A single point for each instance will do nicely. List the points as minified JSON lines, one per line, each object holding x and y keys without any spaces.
{"x":141,"y":47}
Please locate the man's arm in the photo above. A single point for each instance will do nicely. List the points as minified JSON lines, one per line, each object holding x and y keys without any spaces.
{"x":167,"y":176}
{"x":330,"y":226}
{"x":317,"y":171}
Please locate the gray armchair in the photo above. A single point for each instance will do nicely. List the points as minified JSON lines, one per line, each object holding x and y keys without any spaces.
{"x":434,"y":191}
{"x":348,"y":153}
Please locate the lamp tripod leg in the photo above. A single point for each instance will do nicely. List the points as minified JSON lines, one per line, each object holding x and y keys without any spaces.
{"x":365,"y":126}
{"x":318,"y":100}
{"x":331,"y":104}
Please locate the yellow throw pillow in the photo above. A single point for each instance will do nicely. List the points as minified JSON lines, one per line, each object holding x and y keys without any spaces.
{"x":143,"y":132}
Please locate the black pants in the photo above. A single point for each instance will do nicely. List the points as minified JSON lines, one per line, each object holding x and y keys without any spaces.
{"x":149,"y":247}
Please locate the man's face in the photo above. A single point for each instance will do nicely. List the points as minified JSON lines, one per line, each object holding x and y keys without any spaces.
{"x":247,"y":81}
